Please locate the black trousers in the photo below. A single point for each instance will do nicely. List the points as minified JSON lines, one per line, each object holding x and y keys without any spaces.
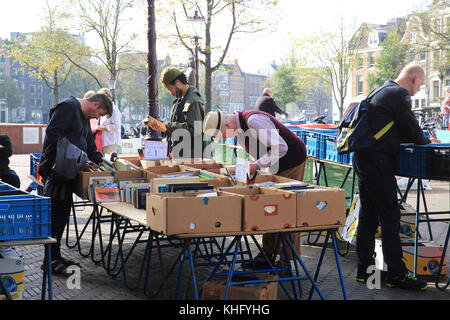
{"x":379,"y":206}
{"x":61,"y":194}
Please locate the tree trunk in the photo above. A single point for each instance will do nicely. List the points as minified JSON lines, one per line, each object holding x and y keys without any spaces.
{"x":55,"y":87}
{"x":208,"y":68}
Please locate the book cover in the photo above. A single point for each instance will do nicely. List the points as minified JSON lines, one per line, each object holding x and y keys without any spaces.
{"x":107,"y":192}
{"x":129,"y":190}
{"x":141,"y":195}
{"x":94,"y":181}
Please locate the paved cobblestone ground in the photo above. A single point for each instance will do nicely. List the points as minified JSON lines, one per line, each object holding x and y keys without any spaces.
{"x":97,"y":284}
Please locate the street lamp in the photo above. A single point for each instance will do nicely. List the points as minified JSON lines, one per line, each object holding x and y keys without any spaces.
{"x":197,"y":24}
{"x":112,"y":87}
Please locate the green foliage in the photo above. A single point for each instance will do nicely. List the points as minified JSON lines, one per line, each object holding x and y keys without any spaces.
{"x":43,"y":54}
{"x":285,"y":85}
{"x":10,"y":93}
{"x":391,"y":61}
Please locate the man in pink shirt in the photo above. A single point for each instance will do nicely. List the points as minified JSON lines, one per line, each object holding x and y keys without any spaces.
{"x":267,"y":140}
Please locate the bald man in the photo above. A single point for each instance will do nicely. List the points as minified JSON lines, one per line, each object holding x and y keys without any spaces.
{"x":266,"y":103}
{"x":377,"y":184}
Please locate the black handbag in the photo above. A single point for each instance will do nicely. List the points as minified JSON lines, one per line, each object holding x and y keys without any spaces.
{"x":69,"y":160}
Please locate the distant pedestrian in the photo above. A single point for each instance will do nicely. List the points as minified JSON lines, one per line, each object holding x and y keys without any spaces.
{"x":266,"y":103}
{"x":110,"y":127}
{"x":7,"y":175}
{"x":445,"y":108}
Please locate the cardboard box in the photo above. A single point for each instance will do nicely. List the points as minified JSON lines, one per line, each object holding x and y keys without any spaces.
{"x":265,"y":178}
{"x":185,"y":212}
{"x":82,"y":180}
{"x":320,"y":206}
{"x":156,"y":183}
{"x":428,"y":259}
{"x":12,"y":266}
{"x":215,"y":288}
{"x":265,"y":208}
{"x":145,"y":164}
{"x":159,"y":175}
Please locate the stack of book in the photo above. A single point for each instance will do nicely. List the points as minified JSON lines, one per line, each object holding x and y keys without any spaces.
{"x":133,"y":191}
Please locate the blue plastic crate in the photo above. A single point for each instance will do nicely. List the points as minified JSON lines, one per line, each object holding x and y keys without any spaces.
{"x":312,"y":144}
{"x":34,"y":160}
{"x":328,"y":149}
{"x":412,"y":161}
{"x":348,"y":158}
{"x":5,"y":186}
{"x":24,"y":217}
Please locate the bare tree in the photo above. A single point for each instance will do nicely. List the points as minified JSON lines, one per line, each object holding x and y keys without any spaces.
{"x":334,"y":54}
{"x":106,"y":19}
{"x":236,"y":16}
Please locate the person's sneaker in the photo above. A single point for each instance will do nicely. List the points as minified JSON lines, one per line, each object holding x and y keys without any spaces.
{"x":408,"y":281}
{"x":361,"y":274}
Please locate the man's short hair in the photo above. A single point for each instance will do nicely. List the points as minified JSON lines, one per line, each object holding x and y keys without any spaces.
{"x":104,"y":103}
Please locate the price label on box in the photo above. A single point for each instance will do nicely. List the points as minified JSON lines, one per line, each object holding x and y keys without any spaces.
{"x":242,"y":170}
{"x":155,"y":150}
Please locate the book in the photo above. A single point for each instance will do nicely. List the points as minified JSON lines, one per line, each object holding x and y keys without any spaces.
{"x":123,"y":182}
{"x":94,"y":181}
{"x":128,"y":192}
{"x":182,"y":187}
{"x":141,"y":196}
{"x":108,"y":192}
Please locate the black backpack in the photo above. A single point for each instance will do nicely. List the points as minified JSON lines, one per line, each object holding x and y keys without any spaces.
{"x":354,"y":132}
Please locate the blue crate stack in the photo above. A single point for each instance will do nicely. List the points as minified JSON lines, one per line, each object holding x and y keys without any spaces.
{"x":320,"y":143}
{"x":34,"y":159}
{"x":23,"y":216}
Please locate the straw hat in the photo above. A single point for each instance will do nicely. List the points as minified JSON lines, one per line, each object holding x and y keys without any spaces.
{"x":213,"y":125}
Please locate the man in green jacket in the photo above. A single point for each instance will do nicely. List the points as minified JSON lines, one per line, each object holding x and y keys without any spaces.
{"x":184,"y":132}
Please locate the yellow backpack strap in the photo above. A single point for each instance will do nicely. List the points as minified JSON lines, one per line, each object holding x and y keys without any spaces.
{"x":385,"y":129}
{"x":187,"y":105}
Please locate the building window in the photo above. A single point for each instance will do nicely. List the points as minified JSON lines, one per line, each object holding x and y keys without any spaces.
{"x":412,"y":37}
{"x":32,"y":88}
{"x":2,"y":73}
{"x":2,"y":59}
{"x":371,"y":59}
{"x":422,"y":56}
{"x":411,"y":55}
{"x":422,"y":103}
{"x":360,"y":62}
{"x":436,"y":60}
{"x":359,"y":89}
{"x":435,"y":90}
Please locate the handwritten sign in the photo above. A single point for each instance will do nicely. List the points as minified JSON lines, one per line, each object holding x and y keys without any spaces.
{"x":242,"y":170}
{"x":155,"y":150}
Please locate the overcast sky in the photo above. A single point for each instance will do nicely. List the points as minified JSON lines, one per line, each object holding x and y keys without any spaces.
{"x":299,"y":16}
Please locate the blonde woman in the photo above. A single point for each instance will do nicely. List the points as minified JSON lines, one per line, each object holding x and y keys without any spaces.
{"x":110,"y":127}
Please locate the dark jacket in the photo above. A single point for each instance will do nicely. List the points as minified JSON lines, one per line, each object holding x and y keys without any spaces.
{"x":267,"y":104}
{"x":67,"y":119}
{"x":191,"y":114}
{"x":394,"y":103}
{"x":6,"y":151}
